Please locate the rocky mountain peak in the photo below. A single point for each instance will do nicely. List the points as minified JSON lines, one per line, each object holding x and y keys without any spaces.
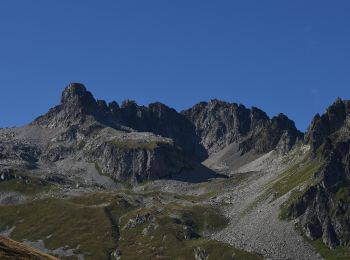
{"x":219,"y":123}
{"x":323,"y":208}
{"x":283,"y":122}
{"x":336,"y":115}
{"x":77,"y":104}
{"x":329,"y":124}
{"x":129,"y":104}
{"x":75,"y":95}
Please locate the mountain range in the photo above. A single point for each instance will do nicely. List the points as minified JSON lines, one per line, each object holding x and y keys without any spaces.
{"x":237,"y":160}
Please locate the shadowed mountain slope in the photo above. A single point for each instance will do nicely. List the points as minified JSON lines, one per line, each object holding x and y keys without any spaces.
{"x":324,"y":208}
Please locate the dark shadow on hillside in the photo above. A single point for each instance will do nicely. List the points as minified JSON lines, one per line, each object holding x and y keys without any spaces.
{"x":198,"y":174}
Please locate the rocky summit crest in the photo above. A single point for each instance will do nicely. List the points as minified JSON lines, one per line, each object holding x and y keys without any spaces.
{"x":77,"y":107}
{"x":84,"y":125}
{"x":75,"y":95}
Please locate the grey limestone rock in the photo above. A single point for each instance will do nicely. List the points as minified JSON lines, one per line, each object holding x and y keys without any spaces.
{"x":324,"y":207}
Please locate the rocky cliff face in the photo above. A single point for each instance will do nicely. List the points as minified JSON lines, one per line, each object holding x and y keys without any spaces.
{"x":162,"y":120}
{"x":334,"y":124}
{"x":324,"y":209}
{"x":77,"y":107}
{"x":135,"y":157}
{"x":84,"y":131}
{"x":219,"y":124}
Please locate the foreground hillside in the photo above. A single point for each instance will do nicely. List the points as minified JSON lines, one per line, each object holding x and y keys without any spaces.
{"x":10,"y":249}
{"x":126,"y":224}
{"x":91,"y":180}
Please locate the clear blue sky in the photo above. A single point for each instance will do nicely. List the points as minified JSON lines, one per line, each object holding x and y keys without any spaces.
{"x":282,"y":56}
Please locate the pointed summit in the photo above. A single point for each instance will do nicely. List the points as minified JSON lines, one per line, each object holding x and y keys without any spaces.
{"x":333,"y":120}
{"x":75,"y":95}
{"x":76,"y":104}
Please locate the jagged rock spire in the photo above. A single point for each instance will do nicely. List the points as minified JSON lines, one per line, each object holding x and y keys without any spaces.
{"x":76,"y":95}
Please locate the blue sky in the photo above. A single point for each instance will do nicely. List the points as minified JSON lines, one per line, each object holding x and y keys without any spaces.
{"x":282,"y":56}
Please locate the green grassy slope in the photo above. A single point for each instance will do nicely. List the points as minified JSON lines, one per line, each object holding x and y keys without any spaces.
{"x":94,"y":225}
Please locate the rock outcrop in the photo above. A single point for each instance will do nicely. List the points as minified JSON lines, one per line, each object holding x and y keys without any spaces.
{"x":219,"y":124}
{"x":16,"y":153}
{"x":165,"y":121}
{"x":333,"y":122}
{"x":324,"y":209}
{"x":134,"y":157}
{"x":77,"y":107}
